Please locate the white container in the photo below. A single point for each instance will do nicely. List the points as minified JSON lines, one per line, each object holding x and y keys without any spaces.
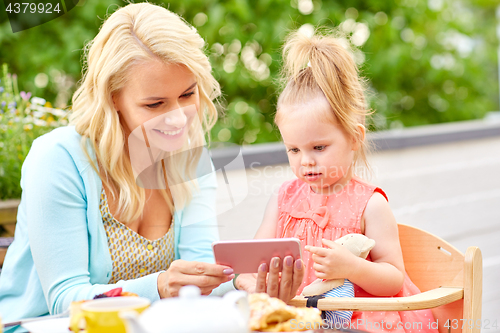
{"x":192,"y":313}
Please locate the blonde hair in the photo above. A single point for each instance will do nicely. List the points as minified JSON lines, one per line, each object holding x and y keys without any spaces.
{"x":321,"y":65}
{"x":135,"y":34}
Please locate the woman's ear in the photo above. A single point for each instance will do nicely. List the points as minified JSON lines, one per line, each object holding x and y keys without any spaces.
{"x":115,"y":104}
{"x":359,"y":137}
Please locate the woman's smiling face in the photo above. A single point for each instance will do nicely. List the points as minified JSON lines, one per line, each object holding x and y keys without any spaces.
{"x":159,"y":100}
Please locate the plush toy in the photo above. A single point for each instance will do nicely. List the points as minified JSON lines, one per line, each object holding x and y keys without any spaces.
{"x":360,"y":246}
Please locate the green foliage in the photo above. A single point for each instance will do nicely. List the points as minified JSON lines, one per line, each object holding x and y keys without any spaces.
{"x":424,"y":61}
{"x":21,"y":121}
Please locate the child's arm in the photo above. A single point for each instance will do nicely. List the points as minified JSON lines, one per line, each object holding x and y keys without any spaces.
{"x":387,"y":267}
{"x":267,"y":229}
{"x":284,"y":287}
{"x":383,"y":276}
{"x":269,"y":223}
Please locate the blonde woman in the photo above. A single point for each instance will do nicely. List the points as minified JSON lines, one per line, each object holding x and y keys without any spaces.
{"x":111,"y":201}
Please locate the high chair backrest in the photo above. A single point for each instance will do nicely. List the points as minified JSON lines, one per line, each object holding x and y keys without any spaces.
{"x":431,"y":263}
{"x":450,"y":282}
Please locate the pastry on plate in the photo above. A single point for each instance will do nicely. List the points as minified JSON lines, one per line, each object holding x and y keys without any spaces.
{"x":269,"y":314}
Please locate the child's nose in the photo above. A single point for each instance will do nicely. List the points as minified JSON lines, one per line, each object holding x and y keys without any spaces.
{"x":176,"y":118}
{"x":307,"y":160}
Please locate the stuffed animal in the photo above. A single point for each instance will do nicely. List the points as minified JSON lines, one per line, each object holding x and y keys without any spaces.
{"x":360,"y":246}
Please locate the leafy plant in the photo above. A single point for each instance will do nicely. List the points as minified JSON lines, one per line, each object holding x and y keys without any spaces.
{"x":22,"y":119}
{"x":425,"y":61}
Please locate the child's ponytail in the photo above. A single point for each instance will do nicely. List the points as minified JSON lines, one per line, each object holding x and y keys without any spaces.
{"x":323,"y":64}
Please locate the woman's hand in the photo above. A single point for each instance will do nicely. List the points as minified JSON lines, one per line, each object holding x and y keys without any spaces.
{"x":284,"y":287}
{"x":334,"y":262}
{"x":269,"y":280}
{"x":205,"y":276}
{"x":246,"y":282}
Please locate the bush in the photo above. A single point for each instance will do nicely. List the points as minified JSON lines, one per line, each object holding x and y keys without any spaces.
{"x":22,"y":119}
{"x":425,"y":61}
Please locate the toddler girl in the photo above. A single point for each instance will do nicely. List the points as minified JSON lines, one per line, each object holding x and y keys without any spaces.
{"x":321,"y":115}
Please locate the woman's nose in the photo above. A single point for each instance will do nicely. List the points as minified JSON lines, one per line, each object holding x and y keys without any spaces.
{"x":176,"y":118}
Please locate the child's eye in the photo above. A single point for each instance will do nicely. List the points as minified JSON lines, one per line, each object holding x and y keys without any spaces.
{"x":293,"y":150}
{"x":320,"y":148}
{"x":154,"y":105}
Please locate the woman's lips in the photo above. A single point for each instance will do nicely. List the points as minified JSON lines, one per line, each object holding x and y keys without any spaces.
{"x":170,"y":134}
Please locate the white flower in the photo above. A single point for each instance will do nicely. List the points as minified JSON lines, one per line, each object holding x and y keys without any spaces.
{"x":58,"y":112}
{"x":39,"y":122}
{"x":38,"y":100}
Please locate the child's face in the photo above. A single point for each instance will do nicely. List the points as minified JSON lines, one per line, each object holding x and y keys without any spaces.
{"x":319,"y":151}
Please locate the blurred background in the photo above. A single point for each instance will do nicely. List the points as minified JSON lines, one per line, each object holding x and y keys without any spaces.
{"x":425,"y":62}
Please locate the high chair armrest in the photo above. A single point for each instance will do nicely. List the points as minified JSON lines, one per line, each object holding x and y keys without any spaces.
{"x":426,"y":300}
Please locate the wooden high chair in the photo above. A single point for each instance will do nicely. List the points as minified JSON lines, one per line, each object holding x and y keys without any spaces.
{"x":450,"y":282}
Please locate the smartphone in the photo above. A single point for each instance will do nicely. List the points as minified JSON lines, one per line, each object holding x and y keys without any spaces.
{"x":245,"y":256}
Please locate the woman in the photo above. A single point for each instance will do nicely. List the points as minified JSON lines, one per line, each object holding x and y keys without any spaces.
{"x":120,"y":199}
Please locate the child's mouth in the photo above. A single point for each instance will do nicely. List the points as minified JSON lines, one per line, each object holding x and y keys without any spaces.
{"x":312,"y":176}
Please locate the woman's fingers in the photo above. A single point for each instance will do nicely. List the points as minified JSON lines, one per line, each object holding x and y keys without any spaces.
{"x":204,"y":282}
{"x":246,"y":282}
{"x":286,"y":279}
{"x":203,"y":275}
{"x":201,"y":268}
{"x":273,"y":278}
{"x":206,"y":291}
{"x":260,"y":286}
{"x":284,"y":287}
{"x":298,"y":276}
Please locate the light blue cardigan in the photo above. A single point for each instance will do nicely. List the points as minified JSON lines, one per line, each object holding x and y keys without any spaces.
{"x":60,"y":253}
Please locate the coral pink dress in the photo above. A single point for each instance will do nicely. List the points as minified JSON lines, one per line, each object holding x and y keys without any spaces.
{"x":309,"y":216}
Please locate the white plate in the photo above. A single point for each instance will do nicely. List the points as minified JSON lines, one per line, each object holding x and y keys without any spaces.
{"x":56,"y":325}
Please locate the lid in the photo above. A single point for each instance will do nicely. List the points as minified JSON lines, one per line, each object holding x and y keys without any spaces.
{"x":192,"y":312}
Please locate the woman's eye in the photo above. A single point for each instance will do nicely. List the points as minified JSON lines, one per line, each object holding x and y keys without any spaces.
{"x":293,"y":150}
{"x":320,"y":148}
{"x":189,"y":94}
{"x":154,"y":105}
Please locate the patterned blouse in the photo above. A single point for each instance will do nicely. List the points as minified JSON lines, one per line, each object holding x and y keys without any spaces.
{"x":134,"y":256}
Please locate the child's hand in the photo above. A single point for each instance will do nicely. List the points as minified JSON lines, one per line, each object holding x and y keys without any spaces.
{"x":333,"y":262}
